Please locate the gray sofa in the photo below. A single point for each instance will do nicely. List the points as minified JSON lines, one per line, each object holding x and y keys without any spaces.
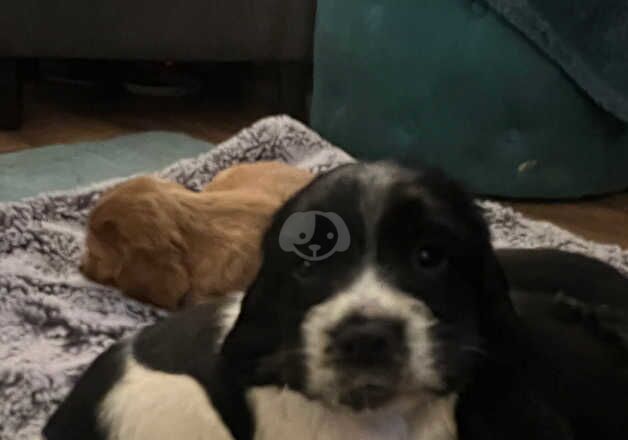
{"x":194,"y":30}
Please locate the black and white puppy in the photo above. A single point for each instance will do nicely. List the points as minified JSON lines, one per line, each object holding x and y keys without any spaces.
{"x":406,"y":331}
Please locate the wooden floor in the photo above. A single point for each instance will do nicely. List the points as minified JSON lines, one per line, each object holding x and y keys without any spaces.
{"x":63,"y":115}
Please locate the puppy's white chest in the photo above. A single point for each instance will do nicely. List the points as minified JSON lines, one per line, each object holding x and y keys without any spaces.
{"x":152,"y":405}
{"x":284,"y":414}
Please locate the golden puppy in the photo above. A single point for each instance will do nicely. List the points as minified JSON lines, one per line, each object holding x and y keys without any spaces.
{"x":161,"y":243}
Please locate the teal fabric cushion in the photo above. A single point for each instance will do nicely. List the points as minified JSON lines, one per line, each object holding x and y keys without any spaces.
{"x":587,"y":38}
{"x":33,"y":171}
{"x":450,"y":83}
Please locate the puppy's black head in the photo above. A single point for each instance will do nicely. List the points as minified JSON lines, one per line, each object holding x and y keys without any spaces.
{"x":406,"y":310}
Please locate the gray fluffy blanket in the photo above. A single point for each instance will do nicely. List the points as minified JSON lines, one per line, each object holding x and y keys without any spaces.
{"x":587,"y":38}
{"x":53,"y":322}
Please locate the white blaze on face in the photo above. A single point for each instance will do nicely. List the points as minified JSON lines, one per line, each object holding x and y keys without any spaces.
{"x":371,"y":297}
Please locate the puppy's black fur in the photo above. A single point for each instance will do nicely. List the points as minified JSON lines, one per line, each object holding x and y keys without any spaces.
{"x":76,"y":417}
{"x":574,"y":309}
{"x":172,"y":345}
{"x":531,"y":373}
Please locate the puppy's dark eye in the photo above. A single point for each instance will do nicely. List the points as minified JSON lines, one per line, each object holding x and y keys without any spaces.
{"x":429,"y":258}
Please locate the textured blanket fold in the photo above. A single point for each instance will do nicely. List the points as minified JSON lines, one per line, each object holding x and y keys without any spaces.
{"x":53,"y":322}
{"x":587,"y":38}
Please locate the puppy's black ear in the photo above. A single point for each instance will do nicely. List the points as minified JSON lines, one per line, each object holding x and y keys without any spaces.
{"x":256,"y":331}
{"x":250,"y":340}
{"x":500,"y":402}
{"x":499,"y":322}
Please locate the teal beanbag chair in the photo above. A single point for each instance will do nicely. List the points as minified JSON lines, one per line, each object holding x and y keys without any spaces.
{"x":509,"y":99}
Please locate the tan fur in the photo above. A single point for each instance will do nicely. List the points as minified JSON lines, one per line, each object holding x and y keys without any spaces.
{"x":161,"y":243}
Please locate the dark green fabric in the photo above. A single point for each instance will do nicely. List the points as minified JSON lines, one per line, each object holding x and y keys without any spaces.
{"x":588,"y":38}
{"x":451,"y":83}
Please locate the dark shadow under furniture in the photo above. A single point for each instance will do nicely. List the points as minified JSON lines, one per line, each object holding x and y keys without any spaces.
{"x":277,"y":31}
{"x":10,"y":94}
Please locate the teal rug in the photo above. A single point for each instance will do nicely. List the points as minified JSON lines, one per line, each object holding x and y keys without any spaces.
{"x":64,"y":166}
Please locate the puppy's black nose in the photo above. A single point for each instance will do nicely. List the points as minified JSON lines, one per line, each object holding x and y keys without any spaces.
{"x":360,"y":341}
